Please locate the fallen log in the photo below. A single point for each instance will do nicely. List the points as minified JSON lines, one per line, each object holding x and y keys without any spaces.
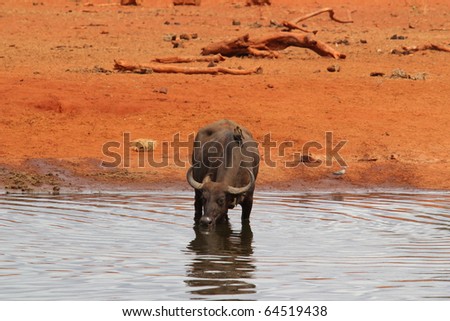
{"x":177,"y":60}
{"x":266,"y":46}
{"x":429,"y":46}
{"x":124,"y":66}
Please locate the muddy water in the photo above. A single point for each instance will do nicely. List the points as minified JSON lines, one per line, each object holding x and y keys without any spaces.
{"x":135,"y":246}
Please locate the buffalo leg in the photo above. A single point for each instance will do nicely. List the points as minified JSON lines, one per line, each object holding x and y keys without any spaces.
{"x":198,"y":204}
{"x":247,"y":204}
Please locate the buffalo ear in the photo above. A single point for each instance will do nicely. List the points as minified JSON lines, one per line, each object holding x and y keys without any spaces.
{"x":232,"y":201}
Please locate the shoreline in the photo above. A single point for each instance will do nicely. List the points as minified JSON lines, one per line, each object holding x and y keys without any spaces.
{"x":33,"y":181}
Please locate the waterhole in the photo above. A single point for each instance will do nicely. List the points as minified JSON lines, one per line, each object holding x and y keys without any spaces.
{"x":298,"y":246}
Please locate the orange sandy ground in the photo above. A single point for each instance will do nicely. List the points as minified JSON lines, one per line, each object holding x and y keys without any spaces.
{"x":58,"y":110}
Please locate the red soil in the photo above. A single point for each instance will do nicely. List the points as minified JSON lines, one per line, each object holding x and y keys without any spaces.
{"x":59,"y":109}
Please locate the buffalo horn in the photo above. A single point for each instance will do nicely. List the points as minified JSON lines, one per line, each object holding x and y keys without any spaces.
{"x":193,"y":182}
{"x":241,"y":190}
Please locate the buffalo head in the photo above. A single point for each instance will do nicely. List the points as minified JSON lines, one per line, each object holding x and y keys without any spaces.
{"x":218,"y":197}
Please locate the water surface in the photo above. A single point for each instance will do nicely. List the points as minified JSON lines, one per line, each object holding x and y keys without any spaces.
{"x":144,"y":246}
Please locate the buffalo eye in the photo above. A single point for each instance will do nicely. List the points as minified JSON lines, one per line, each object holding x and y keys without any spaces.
{"x":221,"y":201}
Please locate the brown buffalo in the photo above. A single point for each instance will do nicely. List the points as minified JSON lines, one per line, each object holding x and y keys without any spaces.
{"x":225,"y":163}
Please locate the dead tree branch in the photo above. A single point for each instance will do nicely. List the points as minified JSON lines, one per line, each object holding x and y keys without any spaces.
{"x":266,"y":46}
{"x":292,"y":26}
{"x":429,"y":46}
{"x":121,"y":65}
{"x":315,"y":13}
{"x":177,"y":60}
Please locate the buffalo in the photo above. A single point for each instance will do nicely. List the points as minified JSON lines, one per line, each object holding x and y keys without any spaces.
{"x":225,"y":163}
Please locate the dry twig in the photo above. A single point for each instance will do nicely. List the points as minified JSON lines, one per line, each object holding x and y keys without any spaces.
{"x":323,"y":10}
{"x":186,"y":2}
{"x":290,"y":26}
{"x":293,"y":24}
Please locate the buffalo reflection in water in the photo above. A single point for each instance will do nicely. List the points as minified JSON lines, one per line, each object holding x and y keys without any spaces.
{"x":223,"y":260}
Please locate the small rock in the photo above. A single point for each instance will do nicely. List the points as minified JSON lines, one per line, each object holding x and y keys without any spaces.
{"x":419,"y":76}
{"x":401,"y":52}
{"x":377,"y":74}
{"x":143,"y":145}
{"x":236,"y":22}
{"x":340,"y":173}
{"x":363,"y":41}
{"x":397,"y":37}
{"x":177,"y":44}
{"x":162,"y":90}
{"x":342,"y":42}
{"x":194,"y":36}
{"x":256,"y":25}
{"x":212,"y":64}
{"x":169,"y":37}
{"x":399,"y":73}
{"x":56,"y":190}
{"x":309,"y":159}
{"x":144,"y":71}
{"x":270,"y":86}
{"x":334,"y":68}
{"x":185,"y":36}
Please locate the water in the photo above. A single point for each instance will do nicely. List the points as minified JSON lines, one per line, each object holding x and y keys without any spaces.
{"x":143,"y":246}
